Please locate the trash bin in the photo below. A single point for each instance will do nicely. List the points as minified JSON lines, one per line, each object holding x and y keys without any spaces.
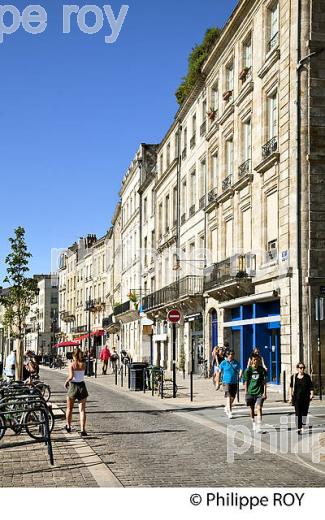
{"x":137,"y":376}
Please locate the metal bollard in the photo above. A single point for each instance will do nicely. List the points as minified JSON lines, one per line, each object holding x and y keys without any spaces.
{"x":121,"y":371}
{"x":129,"y":377}
{"x":152,"y":382}
{"x":284,"y":382}
{"x":144,"y":380}
{"x":162,"y":383}
{"x":116,"y":374}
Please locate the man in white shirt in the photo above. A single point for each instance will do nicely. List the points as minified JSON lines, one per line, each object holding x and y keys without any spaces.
{"x":10,"y":365}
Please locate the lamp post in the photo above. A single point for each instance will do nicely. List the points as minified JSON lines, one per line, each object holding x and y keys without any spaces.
{"x":2,"y":346}
{"x":89,"y":308}
{"x":37,"y":341}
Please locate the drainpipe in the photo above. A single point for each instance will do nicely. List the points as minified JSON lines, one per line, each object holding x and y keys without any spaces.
{"x":178,"y":187}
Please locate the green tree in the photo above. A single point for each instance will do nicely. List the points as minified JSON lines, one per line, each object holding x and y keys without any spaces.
{"x":21,"y":292}
{"x":195,"y":62}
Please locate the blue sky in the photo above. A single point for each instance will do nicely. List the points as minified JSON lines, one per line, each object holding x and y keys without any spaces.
{"x":73,"y":111}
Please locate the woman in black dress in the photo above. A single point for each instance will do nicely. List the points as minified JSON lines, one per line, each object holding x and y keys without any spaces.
{"x":302,"y":392}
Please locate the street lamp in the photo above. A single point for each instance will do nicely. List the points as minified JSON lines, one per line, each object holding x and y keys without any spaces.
{"x":38,"y":327}
{"x":90,"y":306}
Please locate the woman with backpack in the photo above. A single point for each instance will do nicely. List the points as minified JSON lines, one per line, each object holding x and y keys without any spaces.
{"x":302,"y":392}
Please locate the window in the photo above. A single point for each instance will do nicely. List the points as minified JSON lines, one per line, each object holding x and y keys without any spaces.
{"x":246,"y":231}
{"x":153,"y":284}
{"x":247,"y":140}
{"x":184,"y":196}
{"x":272,"y":225}
{"x":215,"y":97}
{"x":214,"y":171}
{"x":145,"y":245}
{"x":145,"y":209}
{"x":168,"y":155}
{"x":230,"y":77}
{"x":175,"y":205}
{"x":247,"y":53}
{"x":193,"y":188}
{"x":272,"y":115}
{"x":185,"y":138}
{"x":272,"y":27}
{"x":229,"y":156}
{"x":167,"y":270}
{"x":204,"y":110}
{"x":202,"y":178}
{"x":228,"y":238}
{"x":161,"y":164}
{"x":194,"y":125}
{"x":167,"y":213}
{"x":153,"y":245}
{"x":160,"y":220}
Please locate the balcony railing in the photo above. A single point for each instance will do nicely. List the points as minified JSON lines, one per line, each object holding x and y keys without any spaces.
{"x":203,"y":129}
{"x":192,"y":210}
{"x":244,"y":169}
{"x":107,"y":321}
{"x":227,"y":183}
{"x":183,"y":219}
{"x":232,"y":269}
{"x":79,"y":329}
{"x":212,"y":195}
{"x":192,"y":141}
{"x":188,"y":286}
{"x":273,"y":42}
{"x":202,"y":202}
{"x":270,"y":147}
{"x":184,"y":153}
{"x":120,"y":309}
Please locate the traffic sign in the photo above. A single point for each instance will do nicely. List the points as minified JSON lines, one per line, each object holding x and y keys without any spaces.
{"x":174,"y":316}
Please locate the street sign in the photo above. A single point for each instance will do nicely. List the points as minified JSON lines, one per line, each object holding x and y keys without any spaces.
{"x":174,"y":316}
{"x":319,"y":308}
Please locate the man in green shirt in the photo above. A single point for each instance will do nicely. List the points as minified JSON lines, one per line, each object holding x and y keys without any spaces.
{"x":255,"y":387}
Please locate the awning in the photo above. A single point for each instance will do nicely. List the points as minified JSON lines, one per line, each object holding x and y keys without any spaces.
{"x":67,"y":344}
{"x":99,"y":332}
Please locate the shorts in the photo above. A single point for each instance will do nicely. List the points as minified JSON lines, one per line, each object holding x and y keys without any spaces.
{"x":216,"y":369}
{"x":252,"y":400}
{"x":77,"y":391}
{"x":230,"y":389}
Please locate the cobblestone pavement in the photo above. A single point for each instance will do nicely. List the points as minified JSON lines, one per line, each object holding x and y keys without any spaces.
{"x":146,"y":446}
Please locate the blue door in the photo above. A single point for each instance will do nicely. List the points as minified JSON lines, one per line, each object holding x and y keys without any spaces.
{"x":214,"y":330}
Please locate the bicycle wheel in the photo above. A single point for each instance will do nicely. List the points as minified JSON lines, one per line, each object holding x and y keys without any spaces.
{"x":35,"y":424}
{"x":2,"y":427}
{"x":45,"y":391}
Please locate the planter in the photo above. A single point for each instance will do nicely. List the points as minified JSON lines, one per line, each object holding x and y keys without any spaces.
{"x":212,"y":114}
{"x":227,"y":95}
{"x":243,"y":73}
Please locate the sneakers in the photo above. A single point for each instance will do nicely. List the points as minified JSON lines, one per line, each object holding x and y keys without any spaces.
{"x":229,"y":415}
{"x":83,"y":434}
{"x":218,"y":386}
{"x":254,"y":427}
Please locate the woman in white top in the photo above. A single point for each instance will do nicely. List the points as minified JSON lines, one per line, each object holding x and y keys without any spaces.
{"x":76,"y":390}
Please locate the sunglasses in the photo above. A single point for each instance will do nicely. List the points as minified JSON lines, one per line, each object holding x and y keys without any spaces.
{"x":301,"y":367}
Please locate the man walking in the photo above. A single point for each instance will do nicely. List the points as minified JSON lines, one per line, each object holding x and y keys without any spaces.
{"x":104,"y":357}
{"x":255,"y":387}
{"x":114,"y":360}
{"x":10,"y":365}
{"x":230,"y":371}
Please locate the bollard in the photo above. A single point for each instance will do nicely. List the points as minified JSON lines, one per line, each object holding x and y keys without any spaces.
{"x":129,"y":377}
{"x":121,"y":371}
{"x":144,"y":380}
{"x":152,"y":382}
{"x":284,"y":382}
{"x":116,"y":374}
{"x":238,"y":389}
{"x":125,"y":370}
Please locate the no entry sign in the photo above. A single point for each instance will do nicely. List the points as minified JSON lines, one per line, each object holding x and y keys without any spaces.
{"x":174,"y":316}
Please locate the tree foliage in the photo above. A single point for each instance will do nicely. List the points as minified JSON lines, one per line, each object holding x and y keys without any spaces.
{"x":195,"y":61}
{"x":21,"y":292}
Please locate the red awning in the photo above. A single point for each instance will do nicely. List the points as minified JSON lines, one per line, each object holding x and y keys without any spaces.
{"x":99,"y":332}
{"x":67,"y":344}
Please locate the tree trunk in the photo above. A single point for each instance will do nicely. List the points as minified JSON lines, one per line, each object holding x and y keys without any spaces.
{"x":19,"y":359}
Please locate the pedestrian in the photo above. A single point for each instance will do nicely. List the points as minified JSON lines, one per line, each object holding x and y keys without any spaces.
{"x":255,"y":389}
{"x":10,"y":365}
{"x":230,"y":371}
{"x":75,"y":384}
{"x":301,"y":393}
{"x":104,"y":357}
{"x":218,"y":357}
{"x":114,"y":360}
{"x":256,"y":351}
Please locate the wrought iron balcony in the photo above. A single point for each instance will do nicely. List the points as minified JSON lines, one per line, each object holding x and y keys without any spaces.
{"x":192,"y":210}
{"x":244,"y":169}
{"x":124,"y":307}
{"x":227,"y":183}
{"x":270,"y":147}
{"x":107,"y":321}
{"x":212,"y":195}
{"x":187,"y":286}
{"x":202,"y":202}
{"x":192,"y":141}
{"x":230,"y":272}
{"x":203,"y":129}
{"x":273,"y":43}
{"x":67,"y":316}
{"x":184,"y":153}
{"x":79,"y":329}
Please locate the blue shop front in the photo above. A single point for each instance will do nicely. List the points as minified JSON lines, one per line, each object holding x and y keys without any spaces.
{"x":256,"y":325}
